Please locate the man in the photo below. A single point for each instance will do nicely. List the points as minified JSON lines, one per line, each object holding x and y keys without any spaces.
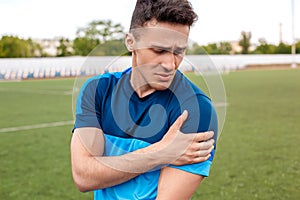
{"x":145,"y":133}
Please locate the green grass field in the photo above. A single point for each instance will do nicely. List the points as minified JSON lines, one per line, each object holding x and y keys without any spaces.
{"x":257,"y":154}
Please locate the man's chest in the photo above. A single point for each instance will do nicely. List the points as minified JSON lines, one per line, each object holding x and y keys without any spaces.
{"x":147,"y":121}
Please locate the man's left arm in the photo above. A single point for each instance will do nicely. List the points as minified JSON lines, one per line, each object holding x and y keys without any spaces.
{"x":181,"y":182}
{"x":177,"y":184}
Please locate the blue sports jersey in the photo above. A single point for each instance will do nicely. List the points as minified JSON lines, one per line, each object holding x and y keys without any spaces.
{"x":129,"y":123}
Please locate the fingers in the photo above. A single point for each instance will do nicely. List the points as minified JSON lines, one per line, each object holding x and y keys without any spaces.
{"x":180,"y":120}
{"x":195,"y":157}
{"x":204,"y":152}
{"x":184,"y":116}
{"x":203,"y":136}
{"x":203,"y":149}
{"x":201,"y":159}
{"x":205,"y":145}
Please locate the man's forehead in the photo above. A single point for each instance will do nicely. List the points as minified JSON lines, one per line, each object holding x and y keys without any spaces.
{"x":162,"y":37}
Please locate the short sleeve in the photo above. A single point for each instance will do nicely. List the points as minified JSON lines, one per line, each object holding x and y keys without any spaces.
{"x":86,"y":114}
{"x":202,"y":117}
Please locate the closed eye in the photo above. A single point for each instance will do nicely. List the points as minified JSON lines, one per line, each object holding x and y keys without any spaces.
{"x":160,"y":50}
{"x":179,"y":51}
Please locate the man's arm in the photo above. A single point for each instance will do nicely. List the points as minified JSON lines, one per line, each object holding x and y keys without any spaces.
{"x":177,"y":184}
{"x":180,"y":182}
{"x":91,"y":170}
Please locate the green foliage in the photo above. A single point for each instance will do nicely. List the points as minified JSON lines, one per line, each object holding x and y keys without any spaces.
{"x":111,"y":48}
{"x":225,"y":48}
{"x":298,"y":47}
{"x":83,"y":46}
{"x":102,"y":30}
{"x":105,"y":35}
{"x":196,"y":49}
{"x":213,"y":48}
{"x":245,"y":42}
{"x":64,"y":48}
{"x":106,"y":39}
{"x":264,"y":48}
{"x":14,"y":47}
{"x":283,"y":49}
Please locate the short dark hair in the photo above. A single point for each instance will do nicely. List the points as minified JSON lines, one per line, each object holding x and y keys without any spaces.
{"x":172,"y":11}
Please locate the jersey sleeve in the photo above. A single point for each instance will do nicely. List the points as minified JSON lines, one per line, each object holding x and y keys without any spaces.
{"x":202,"y":117}
{"x":86,"y":111}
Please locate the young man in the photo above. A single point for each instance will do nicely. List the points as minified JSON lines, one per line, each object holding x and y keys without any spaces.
{"x":145,"y":133}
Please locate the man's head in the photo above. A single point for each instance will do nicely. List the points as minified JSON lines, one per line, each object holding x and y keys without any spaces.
{"x":171,"y":11}
{"x":158,"y":39}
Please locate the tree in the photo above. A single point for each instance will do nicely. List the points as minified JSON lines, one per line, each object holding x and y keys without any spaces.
{"x":264,"y":47}
{"x":196,"y":49}
{"x":102,"y":30}
{"x":298,"y":47}
{"x":14,"y":47}
{"x":106,"y":33}
{"x":212,"y":48}
{"x":64,"y":48}
{"x":244,"y":42}
{"x":225,"y":48}
{"x":35,"y":48}
{"x":283,"y":48}
{"x":83,"y":45}
{"x":111,"y":47}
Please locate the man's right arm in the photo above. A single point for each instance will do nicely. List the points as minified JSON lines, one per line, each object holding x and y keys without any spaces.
{"x":91,"y":170}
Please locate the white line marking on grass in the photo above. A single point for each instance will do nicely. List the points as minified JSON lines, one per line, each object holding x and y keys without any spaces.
{"x":36,"y":126}
{"x":47,"y":92}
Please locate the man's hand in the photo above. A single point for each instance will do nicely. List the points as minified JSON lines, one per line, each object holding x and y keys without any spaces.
{"x":179,"y":148}
{"x":91,"y":170}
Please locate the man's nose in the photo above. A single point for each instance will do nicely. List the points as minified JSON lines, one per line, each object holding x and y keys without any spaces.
{"x":169,"y":61}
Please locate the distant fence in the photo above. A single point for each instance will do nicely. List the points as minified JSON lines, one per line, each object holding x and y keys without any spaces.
{"x":19,"y":74}
{"x":40,"y":68}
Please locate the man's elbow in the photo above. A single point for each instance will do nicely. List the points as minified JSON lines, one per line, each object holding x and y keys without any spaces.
{"x":80,"y":182}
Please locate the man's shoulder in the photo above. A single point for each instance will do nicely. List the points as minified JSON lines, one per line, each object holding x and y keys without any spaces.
{"x":105,"y":78}
{"x":107,"y":75}
{"x":186,"y":87}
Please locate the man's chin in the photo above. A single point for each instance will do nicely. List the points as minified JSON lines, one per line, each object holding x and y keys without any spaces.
{"x":161,"y":86}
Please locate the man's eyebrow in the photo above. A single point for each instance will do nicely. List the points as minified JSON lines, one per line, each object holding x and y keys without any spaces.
{"x":168,"y":47}
{"x":181,"y":48}
{"x":157,"y":46}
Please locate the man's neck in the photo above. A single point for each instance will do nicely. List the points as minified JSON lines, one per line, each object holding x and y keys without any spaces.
{"x":139,"y":85}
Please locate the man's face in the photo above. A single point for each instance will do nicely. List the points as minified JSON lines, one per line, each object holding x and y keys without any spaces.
{"x":158,"y":52}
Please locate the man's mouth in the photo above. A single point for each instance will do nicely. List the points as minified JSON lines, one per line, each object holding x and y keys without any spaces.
{"x":164,"y":76}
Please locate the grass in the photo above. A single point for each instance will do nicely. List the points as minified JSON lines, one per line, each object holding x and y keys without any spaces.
{"x":257,"y":154}
{"x":258,"y":151}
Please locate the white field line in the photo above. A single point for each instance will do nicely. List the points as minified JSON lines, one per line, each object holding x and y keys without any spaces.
{"x":62,"y":123}
{"x":48,"y":92}
{"x":36,"y":126}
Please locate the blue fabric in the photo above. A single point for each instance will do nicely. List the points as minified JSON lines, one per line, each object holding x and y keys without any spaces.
{"x":141,"y":187}
{"x":130,"y":123}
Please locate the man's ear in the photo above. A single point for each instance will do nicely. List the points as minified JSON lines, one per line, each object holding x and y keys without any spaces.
{"x":129,"y":42}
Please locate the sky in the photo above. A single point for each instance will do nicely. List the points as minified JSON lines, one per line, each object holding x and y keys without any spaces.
{"x":219,"y":20}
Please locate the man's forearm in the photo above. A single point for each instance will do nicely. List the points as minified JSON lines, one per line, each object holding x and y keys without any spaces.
{"x":94,"y":172}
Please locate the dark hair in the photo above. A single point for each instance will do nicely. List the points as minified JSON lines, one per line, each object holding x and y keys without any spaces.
{"x":172,"y":11}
